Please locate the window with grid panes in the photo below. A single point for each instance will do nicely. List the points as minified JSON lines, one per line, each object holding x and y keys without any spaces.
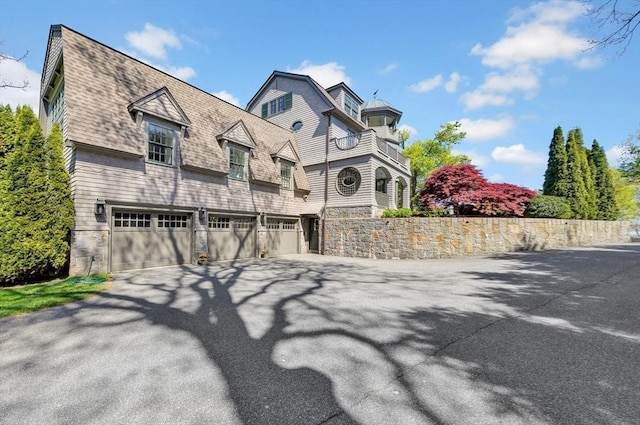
{"x":243,"y":223}
{"x":172,"y":220}
{"x":285,"y":173}
{"x":56,"y":107}
{"x":351,"y":107}
{"x":130,"y":219}
{"x":160,"y":145}
{"x":218,"y":222}
{"x":236,"y":163}
{"x":279,"y":104}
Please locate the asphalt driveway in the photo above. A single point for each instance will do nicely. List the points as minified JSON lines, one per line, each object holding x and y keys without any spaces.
{"x":537,"y":337}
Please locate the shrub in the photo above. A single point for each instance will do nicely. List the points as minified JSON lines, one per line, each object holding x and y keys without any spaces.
{"x":400,"y":212}
{"x":545,"y":206}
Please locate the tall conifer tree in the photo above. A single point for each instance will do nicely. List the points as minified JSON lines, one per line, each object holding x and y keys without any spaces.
{"x":35,"y":207}
{"x":555,"y":177}
{"x":589,"y":183}
{"x":576,"y":191}
{"x":605,"y":191}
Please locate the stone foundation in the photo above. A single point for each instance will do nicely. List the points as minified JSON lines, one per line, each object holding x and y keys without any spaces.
{"x":421,"y":238}
{"x":351,"y":212}
{"x":89,"y":249}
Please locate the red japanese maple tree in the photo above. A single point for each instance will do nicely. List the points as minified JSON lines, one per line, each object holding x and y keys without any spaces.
{"x":464,"y":188}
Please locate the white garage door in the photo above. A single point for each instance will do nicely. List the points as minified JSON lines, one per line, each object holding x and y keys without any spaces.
{"x":150,"y":239}
{"x":231,"y":237}
{"x":282,"y":236}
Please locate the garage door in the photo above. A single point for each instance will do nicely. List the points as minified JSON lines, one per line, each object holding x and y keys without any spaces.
{"x":282,"y":236}
{"x":231,"y":237}
{"x":150,"y":239}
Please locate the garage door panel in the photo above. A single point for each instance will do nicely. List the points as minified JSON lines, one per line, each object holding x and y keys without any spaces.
{"x":231,"y":237}
{"x":142,"y":240}
{"x":282,"y":236}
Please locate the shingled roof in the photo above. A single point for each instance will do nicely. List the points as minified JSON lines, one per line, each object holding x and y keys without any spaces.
{"x":103,"y":85}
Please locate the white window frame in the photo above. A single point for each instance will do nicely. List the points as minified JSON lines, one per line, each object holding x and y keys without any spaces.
{"x":286,"y":172}
{"x":351,"y":107}
{"x":161,"y":147}
{"x":234,"y":166}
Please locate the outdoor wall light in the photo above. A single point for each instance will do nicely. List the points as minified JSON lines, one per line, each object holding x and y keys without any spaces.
{"x":101,"y":207}
{"x":202,"y":212}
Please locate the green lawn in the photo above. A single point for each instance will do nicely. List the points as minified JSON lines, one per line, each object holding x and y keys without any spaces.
{"x":29,"y":298}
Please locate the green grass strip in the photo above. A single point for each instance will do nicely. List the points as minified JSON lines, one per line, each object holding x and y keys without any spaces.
{"x":30,"y":298}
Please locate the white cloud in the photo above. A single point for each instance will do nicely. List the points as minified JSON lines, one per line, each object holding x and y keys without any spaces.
{"x":225,"y":95}
{"x":614,"y":155}
{"x":529,"y":43}
{"x":477,"y":99}
{"x":14,"y":72}
{"x":452,"y":85}
{"x":477,"y":159}
{"x":536,"y":35}
{"x":412,"y":131}
{"x":496,"y":178}
{"x":484,"y":129}
{"x":519,"y":78}
{"x":517,"y":154}
{"x":180,"y":72}
{"x":427,"y":85}
{"x":327,"y":75}
{"x":153,"y":41}
{"x":554,"y":11}
{"x":387,"y":69}
{"x":588,"y":62}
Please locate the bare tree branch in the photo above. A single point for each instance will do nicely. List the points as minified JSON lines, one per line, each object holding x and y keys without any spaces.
{"x":618,"y":20}
{"x":10,"y":84}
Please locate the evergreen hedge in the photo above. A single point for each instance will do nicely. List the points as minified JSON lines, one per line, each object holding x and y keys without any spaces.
{"x":36,"y":209}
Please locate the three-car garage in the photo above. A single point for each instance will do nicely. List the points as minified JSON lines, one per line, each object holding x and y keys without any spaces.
{"x":143,"y":239}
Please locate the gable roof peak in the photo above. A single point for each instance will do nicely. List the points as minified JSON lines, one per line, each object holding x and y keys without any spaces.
{"x":161,"y":104}
{"x":238,"y":133}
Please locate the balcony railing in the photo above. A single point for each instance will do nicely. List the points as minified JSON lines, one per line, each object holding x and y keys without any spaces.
{"x":348,"y":142}
{"x":386,"y":148}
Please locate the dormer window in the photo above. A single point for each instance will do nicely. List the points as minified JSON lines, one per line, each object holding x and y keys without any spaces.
{"x":237,"y":158}
{"x":161,"y":145}
{"x":285,"y":174}
{"x":351,"y":107}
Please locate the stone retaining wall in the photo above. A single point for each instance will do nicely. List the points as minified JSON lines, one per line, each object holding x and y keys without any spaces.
{"x":420,"y":237}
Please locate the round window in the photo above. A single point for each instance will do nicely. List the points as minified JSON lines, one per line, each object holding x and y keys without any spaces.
{"x":348,"y":181}
{"x":296,"y":126}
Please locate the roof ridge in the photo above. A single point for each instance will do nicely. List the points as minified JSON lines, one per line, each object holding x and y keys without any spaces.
{"x":158,"y":70}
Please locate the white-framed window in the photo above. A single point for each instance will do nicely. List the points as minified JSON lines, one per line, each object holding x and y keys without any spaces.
{"x":237,"y":159}
{"x":160,"y":145}
{"x":351,"y":107}
{"x":285,"y":173}
{"x":348,"y":181}
{"x":277,"y":105}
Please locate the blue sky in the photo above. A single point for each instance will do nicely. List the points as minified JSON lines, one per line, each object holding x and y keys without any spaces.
{"x":510,"y":71}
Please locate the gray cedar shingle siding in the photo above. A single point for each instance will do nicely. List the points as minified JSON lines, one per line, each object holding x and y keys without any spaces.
{"x":101,"y":84}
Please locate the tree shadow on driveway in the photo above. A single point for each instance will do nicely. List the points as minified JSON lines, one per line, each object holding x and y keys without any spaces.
{"x":300,"y":341}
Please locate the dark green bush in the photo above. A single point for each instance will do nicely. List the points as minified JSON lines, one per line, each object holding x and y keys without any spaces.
{"x":545,"y":206}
